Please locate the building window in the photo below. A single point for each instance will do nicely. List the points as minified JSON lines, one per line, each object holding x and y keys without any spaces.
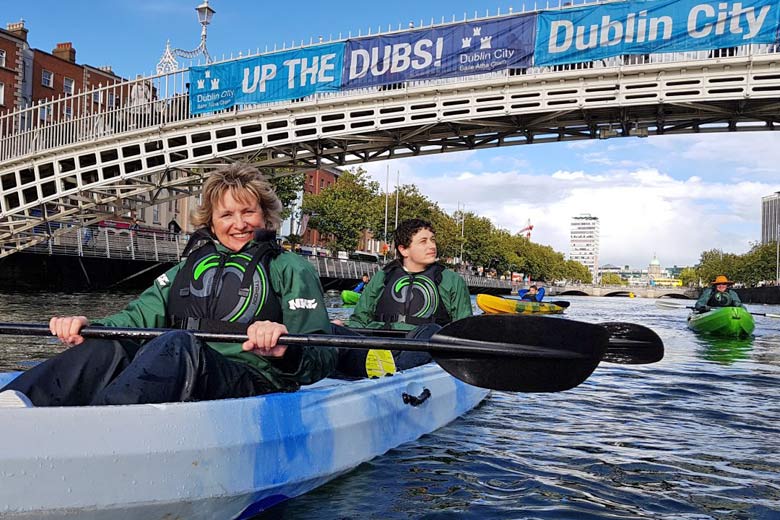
{"x":2,"y":58}
{"x":47,"y":78}
{"x":68,"y":86}
{"x":156,"y":214}
{"x":2,"y":94}
{"x":111,"y":100}
{"x":97,"y":97}
{"x":44,"y":113}
{"x":68,"y":112}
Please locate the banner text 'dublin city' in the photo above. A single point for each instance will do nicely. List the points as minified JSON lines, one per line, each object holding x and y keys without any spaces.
{"x":571,"y":35}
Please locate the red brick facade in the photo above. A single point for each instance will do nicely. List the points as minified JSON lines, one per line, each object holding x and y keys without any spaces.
{"x":11,"y":46}
{"x":54,"y":74}
{"x":316,"y":181}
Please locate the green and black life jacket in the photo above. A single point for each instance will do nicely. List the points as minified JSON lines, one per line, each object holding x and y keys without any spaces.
{"x":720,"y":299}
{"x":220,"y":291}
{"x":412,"y":297}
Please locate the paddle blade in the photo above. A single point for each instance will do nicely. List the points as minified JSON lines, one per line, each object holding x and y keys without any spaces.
{"x":632,"y":344}
{"x":580,"y":345}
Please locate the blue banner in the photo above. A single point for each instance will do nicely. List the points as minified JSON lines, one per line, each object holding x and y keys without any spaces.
{"x":455,"y":50}
{"x":272,"y":77}
{"x":652,"y":26}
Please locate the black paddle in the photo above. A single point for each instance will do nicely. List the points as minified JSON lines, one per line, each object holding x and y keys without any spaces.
{"x":674,"y":305}
{"x":500,"y":352}
{"x":629,"y":343}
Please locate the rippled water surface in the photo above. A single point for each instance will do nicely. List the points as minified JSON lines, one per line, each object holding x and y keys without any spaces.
{"x":696,"y":436}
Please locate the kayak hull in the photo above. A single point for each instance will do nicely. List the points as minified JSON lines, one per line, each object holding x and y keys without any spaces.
{"x":350,"y":297}
{"x":217,"y":459}
{"x":735,"y":322}
{"x":497,"y":305}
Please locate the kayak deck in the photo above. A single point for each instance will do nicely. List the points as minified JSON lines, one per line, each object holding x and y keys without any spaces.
{"x":723,"y":321}
{"x":497,"y":305}
{"x":216,"y":459}
{"x":350,"y":297}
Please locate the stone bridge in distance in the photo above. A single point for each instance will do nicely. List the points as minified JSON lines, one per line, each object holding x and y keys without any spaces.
{"x":647,"y":291}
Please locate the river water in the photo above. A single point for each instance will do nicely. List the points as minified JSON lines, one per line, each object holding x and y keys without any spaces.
{"x":695,"y":436}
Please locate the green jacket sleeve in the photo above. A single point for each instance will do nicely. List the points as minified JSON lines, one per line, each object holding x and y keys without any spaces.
{"x":304,"y":312}
{"x":148,"y":310}
{"x":455,"y":294}
{"x":736,"y":302}
{"x":701,"y":303}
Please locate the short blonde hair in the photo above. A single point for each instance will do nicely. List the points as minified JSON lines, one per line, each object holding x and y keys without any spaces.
{"x":245,"y":183}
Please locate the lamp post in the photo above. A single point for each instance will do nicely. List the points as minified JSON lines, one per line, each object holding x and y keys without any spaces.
{"x":168,"y":61}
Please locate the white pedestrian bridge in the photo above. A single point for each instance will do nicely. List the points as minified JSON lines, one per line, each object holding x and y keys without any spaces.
{"x":74,"y":161}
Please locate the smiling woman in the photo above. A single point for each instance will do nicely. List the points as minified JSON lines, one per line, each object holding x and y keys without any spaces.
{"x":235,"y":279}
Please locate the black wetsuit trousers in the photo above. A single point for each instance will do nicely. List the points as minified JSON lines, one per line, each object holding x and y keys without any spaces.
{"x":171,"y":368}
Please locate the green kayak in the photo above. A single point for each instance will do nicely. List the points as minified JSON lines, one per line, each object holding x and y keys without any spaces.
{"x":350,"y":297}
{"x":734,"y":322}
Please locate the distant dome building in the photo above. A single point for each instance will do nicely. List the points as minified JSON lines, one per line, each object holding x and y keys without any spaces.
{"x":654,"y":269}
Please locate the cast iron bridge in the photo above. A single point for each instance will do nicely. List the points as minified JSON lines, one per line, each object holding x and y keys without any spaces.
{"x":75,"y":161}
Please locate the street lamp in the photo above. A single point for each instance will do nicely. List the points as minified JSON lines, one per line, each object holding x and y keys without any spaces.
{"x":168,"y":61}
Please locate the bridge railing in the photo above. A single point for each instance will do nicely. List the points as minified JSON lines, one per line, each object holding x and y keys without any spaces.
{"x":161,"y":100}
{"x":118,"y":244}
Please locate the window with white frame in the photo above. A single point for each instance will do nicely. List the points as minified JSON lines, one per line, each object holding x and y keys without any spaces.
{"x":2,"y":58}
{"x":111,"y":99}
{"x":68,"y":86}
{"x":68,"y":112}
{"x":47,"y":78}
{"x":97,"y":96}
{"x":44,"y":113}
{"x":2,"y":93}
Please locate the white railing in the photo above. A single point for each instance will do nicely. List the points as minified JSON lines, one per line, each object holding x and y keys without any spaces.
{"x":158,"y":101}
{"x":118,"y":244}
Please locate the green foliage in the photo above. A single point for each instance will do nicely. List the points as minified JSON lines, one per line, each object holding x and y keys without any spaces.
{"x":612,"y":279}
{"x":758,"y":264}
{"x":689,"y":277}
{"x":342,"y":211}
{"x":287,"y":184}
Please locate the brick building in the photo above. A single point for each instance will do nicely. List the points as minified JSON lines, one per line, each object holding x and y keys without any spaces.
{"x":316,"y":181}
{"x":28,"y":75}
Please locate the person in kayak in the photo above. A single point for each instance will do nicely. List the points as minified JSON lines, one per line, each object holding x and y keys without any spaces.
{"x":530,"y":295}
{"x":235,"y":278}
{"x":362,"y":284}
{"x":718,"y":294}
{"x":413,"y":293}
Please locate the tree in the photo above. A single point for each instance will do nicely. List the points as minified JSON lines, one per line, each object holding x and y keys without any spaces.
{"x":612,"y":279}
{"x":689,"y":277}
{"x":288,"y":185}
{"x":343,"y":210}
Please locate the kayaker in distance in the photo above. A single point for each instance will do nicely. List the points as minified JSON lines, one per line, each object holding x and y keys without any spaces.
{"x":413,"y":293}
{"x":530,"y":295}
{"x":718,"y":294}
{"x":362,"y":284}
{"x":237,"y":224}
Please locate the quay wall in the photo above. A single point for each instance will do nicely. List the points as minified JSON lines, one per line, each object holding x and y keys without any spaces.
{"x":36,"y":271}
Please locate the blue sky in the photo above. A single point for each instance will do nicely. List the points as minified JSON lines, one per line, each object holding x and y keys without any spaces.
{"x":673,"y":196}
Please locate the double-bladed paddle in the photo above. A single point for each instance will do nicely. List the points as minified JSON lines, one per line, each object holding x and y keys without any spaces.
{"x":666,"y":304}
{"x":500,"y":352}
{"x":629,"y":343}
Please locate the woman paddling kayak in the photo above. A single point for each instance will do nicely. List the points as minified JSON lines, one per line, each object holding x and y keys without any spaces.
{"x":234,"y":279}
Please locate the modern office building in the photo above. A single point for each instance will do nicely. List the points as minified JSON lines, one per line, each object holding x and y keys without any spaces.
{"x":584,"y":242}
{"x":770,"y":218}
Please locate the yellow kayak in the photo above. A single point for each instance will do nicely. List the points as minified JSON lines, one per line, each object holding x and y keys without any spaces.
{"x":497,"y":305}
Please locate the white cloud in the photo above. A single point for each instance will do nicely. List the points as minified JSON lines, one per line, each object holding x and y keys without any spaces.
{"x":644,"y":209}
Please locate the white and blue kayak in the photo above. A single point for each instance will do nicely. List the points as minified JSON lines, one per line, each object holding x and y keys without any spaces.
{"x":214,"y":459}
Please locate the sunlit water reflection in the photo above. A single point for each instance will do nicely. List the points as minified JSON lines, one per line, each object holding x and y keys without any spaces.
{"x":696,"y":436}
